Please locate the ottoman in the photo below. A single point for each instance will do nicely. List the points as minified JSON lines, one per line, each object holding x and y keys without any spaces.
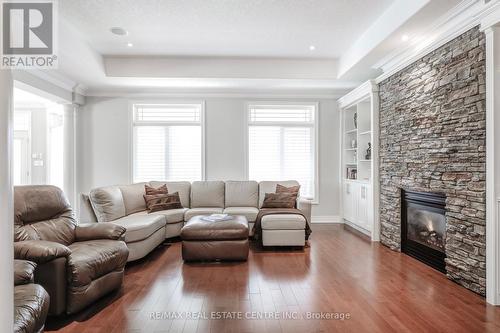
{"x":223,"y":240}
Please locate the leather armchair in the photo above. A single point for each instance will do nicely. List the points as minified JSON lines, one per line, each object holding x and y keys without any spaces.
{"x":77,"y":264}
{"x":31,"y":301}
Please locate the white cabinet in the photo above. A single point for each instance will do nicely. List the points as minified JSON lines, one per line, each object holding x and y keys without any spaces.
{"x":349,"y":201}
{"x":357,"y":205}
{"x":363,"y":215}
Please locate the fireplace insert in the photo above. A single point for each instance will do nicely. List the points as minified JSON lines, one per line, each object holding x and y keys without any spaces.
{"x":423,"y":227}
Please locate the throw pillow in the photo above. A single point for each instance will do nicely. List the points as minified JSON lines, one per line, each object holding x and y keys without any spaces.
{"x":292,"y":189}
{"x":152,"y":190}
{"x":157,"y":202}
{"x":279,"y":200}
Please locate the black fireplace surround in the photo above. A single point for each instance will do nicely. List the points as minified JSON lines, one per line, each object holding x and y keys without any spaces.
{"x":423,"y":227}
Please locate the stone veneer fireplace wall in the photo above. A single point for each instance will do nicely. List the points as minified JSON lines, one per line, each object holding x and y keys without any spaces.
{"x":432,"y":139}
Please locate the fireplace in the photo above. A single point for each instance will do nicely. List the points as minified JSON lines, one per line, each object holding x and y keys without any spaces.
{"x":423,"y":227}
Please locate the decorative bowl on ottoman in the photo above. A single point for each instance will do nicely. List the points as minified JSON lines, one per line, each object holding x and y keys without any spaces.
{"x":222,"y":240}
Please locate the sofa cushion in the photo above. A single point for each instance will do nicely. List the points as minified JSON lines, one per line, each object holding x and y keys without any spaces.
{"x":207,"y":194}
{"x":270,"y":187}
{"x":171,"y":215}
{"x":249,"y":212}
{"x":132,"y":197}
{"x":107,"y":203}
{"x":140,"y":225}
{"x":184,"y":189}
{"x":242,"y":194}
{"x":283,"y":222}
{"x":201,"y":211}
{"x":90,"y":260}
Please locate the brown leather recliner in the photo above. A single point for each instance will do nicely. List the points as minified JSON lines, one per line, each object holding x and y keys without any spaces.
{"x":31,"y":301}
{"x":77,"y":264}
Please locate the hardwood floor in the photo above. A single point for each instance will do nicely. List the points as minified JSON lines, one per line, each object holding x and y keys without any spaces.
{"x":380,"y":290}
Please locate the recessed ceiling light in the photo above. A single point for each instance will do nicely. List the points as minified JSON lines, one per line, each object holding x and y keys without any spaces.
{"x":129,"y":44}
{"x":119,"y":31}
{"x":405,"y":38}
{"x":312,"y":48}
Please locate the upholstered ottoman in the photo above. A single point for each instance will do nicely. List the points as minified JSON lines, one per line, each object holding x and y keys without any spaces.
{"x":223,"y":240}
{"x":283,"y":230}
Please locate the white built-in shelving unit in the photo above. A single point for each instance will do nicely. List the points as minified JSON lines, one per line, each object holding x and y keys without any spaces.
{"x":359,"y":110}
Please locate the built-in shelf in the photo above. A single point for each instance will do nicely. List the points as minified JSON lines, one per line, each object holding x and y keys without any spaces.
{"x":359,"y":110}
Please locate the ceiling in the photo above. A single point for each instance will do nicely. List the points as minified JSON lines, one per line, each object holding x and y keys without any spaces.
{"x":255,"y":28}
{"x":233,"y":45}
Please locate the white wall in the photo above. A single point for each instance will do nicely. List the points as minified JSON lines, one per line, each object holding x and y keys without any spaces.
{"x":104,"y":131}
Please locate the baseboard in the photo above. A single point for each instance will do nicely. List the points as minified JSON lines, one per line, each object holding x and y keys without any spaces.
{"x":326,"y":219}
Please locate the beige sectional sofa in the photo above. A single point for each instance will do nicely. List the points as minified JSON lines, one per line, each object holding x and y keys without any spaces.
{"x":125,"y":206}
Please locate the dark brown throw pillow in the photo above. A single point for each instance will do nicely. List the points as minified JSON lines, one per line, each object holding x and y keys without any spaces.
{"x":292,"y":189}
{"x":152,"y":190}
{"x":157,"y":202}
{"x":279,"y":200}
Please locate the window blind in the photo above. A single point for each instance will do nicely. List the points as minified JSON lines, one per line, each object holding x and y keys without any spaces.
{"x":282,"y":113}
{"x":167,"y":142}
{"x":170,"y":113}
{"x":281,"y":144}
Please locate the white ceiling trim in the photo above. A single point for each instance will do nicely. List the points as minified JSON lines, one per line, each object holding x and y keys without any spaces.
{"x":212,"y":94}
{"x":358,"y":94}
{"x":491,"y":16}
{"x":50,"y":80}
{"x":463,"y":17}
{"x":219,"y":67}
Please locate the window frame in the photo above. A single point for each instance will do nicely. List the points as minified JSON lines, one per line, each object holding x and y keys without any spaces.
{"x":132,"y":122}
{"x":314,"y":126}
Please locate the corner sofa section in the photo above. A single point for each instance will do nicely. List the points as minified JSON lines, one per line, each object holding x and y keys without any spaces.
{"x":124,"y":205}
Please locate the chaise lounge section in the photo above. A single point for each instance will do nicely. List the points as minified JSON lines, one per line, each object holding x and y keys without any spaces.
{"x":124,"y":205}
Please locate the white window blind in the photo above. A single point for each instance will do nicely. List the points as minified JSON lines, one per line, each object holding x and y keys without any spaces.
{"x":167,"y":142}
{"x":281,"y":144}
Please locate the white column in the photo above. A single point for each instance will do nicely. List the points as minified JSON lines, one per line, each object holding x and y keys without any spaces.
{"x":6,"y":205}
{"x":69,"y":153}
{"x":493,"y":165}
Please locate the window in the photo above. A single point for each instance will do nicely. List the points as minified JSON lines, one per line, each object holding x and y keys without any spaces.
{"x":282,"y":144}
{"x":168,"y":142}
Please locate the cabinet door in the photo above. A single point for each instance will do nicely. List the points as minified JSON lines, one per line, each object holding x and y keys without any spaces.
{"x":349,"y":198}
{"x":363,"y":211}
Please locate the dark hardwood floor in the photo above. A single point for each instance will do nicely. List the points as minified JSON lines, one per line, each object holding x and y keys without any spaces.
{"x":380,"y":290}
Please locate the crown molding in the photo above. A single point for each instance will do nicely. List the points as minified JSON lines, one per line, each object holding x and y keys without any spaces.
{"x":491,"y":16}
{"x":215,"y":94}
{"x":464,"y":16}
{"x":54,"y":79}
{"x":59,"y":80}
{"x":358,"y":94}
